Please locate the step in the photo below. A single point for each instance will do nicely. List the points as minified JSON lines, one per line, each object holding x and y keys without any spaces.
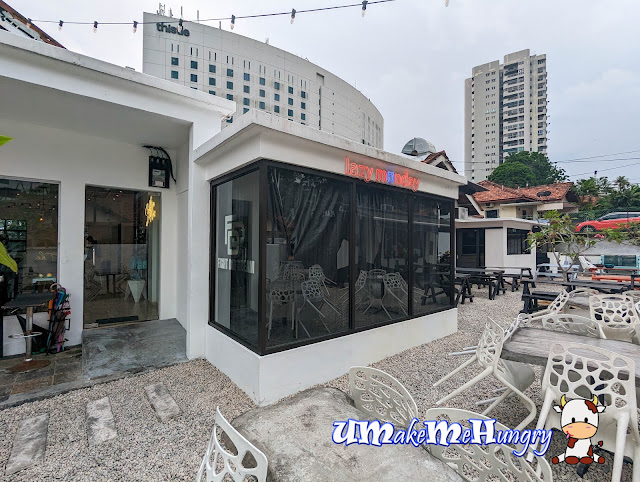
{"x":162,"y":401}
{"x":29,"y":444}
{"x":101,"y":425}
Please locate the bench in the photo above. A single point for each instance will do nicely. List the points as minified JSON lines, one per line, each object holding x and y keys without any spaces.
{"x":531,"y":300}
{"x":611,"y":277}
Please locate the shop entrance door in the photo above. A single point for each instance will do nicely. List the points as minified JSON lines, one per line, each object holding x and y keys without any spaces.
{"x":470,"y":248}
{"x":121,"y":257}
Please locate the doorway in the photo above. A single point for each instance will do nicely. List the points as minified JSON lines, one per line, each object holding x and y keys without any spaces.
{"x":470,"y":248}
{"x":121,"y":256}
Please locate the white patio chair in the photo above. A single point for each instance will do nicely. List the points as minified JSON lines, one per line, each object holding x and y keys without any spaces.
{"x":281,"y":295}
{"x":359,"y":289}
{"x":219,"y":462}
{"x":515,"y":377}
{"x":317,"y":273}
{"x":582,"y":371}
{"x":635,"y":296}
{"x":313,"y":296}
{"x":616,"y":314}
{"x":394,"y":289}
{"x":576,"y":324}
{"x":471,"y":350}
{"x":587,"y":266}
{"x":480,"y":463}
{"x":578,"y":302}
{"x":381,"y":396}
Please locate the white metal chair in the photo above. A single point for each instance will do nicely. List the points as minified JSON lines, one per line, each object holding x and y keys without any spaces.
{"x":576,"y":324}
{"x":582,"y":371}
{"x":219,"y":462}
{"x":616,"y":314}
{"x":281,"y":295}
{"x":514,"y":377}
{"x":381,"y":396}
{"x":578,"y":302}
{"x":517,"y":321}
{"x":359,"y":289}
{"x":317,"y":273}
{"x":313,"y":296}
{"x":393,"y":287}
{"x":480,"y":463}
{"x":587,"y":266}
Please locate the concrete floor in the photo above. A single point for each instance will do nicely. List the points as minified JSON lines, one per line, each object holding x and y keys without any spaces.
{"x":132,"y":347}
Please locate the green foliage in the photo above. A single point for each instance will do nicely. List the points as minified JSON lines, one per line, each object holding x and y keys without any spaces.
{"x":601,"y":194}
{"x":527,"y":168}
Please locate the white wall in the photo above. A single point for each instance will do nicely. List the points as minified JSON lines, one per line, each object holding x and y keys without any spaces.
{"x":75,"y":160}
{"x":268,"y":378}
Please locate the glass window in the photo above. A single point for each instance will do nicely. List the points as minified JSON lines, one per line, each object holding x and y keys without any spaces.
{"x":262,"y":81}
{"x":212,"y":81}
{"x":290,"y":101}
{"x":276,"y":109}
{"x":262,"y":93}
{"x":303,"y":105}
{"x":290,"y":113}
{"x":382,"y":256}
{"x":291,"y":90}
{"x":303,"y":116}
{"x":174,"y":74}
{"x":247,"y":77}
{"x":174,"y":60}
{"x":246,"y":89}
{"x":194,"y":77}
{"x":517,"y":241}
{"x":307,"y":256}
{"x":236,"y":256}
{"x":431,"y":255}
{"x":29,"y":235}
{"x":303,"y":94}
{"x":229,"y":85}
{"x":230,"y":96}
{"x":246,"y":101}
{"x":229,"y":72}
{"x":212,"y":92}
{"x":261,"y":105}
{"x":212,"y":68}
{"x":194,"y":64}
{"x":245,"y":110}
{"x":276,"y":85}
{"x":276,"y":97}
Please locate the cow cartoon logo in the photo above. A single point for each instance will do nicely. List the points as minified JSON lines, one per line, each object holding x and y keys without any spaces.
{"x":579,"y":421}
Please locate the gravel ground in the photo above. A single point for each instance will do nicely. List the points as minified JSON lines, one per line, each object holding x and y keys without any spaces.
{"x":147,"y":449}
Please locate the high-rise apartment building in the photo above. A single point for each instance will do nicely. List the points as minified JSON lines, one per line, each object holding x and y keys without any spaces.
{"x":505,"y":112}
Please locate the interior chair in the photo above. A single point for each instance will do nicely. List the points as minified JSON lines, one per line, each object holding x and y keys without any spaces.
{"x":360,"y":290}
{"x":281,"y":295}
{"x":317,"y":273}
{"x":513,"y":376}
{"x":219,"y":463}
{"x":93,"y":283}
{"x":313,"y":296}
{"x":393,"y":288}
{"x":584,"y":371}
{"x":381,"y":396}
{"x":493,"y":462}
{"x":616,"y":314}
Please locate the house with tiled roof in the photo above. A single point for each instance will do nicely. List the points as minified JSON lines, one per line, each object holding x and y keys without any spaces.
{"x":500,"y":201}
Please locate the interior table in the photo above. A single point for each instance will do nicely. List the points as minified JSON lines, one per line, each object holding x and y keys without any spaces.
{"x":532,"y":345}
{"x":295,"y":435}
{"x":27,"y":302}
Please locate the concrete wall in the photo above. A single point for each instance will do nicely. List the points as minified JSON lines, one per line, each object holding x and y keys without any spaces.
{"x":269,"y":378}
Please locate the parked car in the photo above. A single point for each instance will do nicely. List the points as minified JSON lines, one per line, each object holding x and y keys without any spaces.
{"x":610,"y":221}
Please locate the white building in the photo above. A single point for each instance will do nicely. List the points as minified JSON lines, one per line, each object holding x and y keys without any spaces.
{"x":259,"y":249}
{"x":258,"y":76}
{"x":505,"y":112}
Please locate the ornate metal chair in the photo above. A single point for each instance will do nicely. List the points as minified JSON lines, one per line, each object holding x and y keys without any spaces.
{"x":394,"y":289}
{"x":575,"y":324}
{"x":616,"y":314}
{"x":281,"y":294}
{"x":220,"y":464}
{"x":313,"y":296}
{"x":381,"y":396}
{"x":317,"y":273}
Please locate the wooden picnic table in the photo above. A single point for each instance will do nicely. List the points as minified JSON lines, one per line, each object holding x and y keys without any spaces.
{"x":295,"y":435}
{"x":492,"y":277}
{"x":516,"y":273}
{"x":532,"y":345}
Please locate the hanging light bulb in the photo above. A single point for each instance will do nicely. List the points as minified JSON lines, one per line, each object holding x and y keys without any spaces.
{"x":95,"y":27}
{"x":135,"y":26}
{"x":293,"y":15}
{"x":233,"y":21}
{"x":364,"y":7}
{"x":180,"y":26}
{"x":60,"y":25}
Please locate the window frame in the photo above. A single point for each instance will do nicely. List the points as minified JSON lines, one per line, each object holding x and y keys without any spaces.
{"x":262,"y":165}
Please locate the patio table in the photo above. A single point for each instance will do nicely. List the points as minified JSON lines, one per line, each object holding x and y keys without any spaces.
{"x":295,"y":435}
{"x":490,"y":276}
{"x":532,"y":345}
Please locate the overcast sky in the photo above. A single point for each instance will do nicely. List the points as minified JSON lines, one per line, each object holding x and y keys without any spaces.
{"x":410,"y":57}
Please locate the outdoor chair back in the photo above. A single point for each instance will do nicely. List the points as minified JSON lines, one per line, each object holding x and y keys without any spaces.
{"x":381,"y":396}
{"x":480,"y":463}
{"x":616,"y":314}
{"x":584,"y":371}
{"x":576,"y":324}
{"x":220,"y":462}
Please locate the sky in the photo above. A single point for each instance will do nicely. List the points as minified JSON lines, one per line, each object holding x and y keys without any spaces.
{"x":411,"y":57}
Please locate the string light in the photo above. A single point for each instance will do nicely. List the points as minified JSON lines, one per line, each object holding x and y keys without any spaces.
{"x":292,"y":14}
{"x":135,"y":26}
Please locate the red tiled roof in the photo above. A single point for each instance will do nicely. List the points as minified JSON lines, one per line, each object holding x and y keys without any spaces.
{"x":498,"y":193}
{"x":434,"y":156}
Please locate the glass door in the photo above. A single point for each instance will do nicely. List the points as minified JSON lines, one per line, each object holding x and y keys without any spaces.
{"x":121,"y":256}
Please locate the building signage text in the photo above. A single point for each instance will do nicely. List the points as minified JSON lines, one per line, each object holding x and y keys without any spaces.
{"x":170,"y":29}
{"x":369,"y":173}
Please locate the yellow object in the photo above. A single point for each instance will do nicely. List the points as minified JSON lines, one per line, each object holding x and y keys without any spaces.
{"x":49,"y":275}
{"x":7,"y":260}
{"x":150,"y":210}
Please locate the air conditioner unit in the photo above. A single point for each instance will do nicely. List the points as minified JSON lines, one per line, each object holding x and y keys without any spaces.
{"x":462,"y":213}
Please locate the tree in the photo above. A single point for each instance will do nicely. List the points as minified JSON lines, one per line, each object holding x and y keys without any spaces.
{"x":527,"y":168}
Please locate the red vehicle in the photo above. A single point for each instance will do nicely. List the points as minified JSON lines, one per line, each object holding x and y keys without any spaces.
{"x":608,"y":221}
